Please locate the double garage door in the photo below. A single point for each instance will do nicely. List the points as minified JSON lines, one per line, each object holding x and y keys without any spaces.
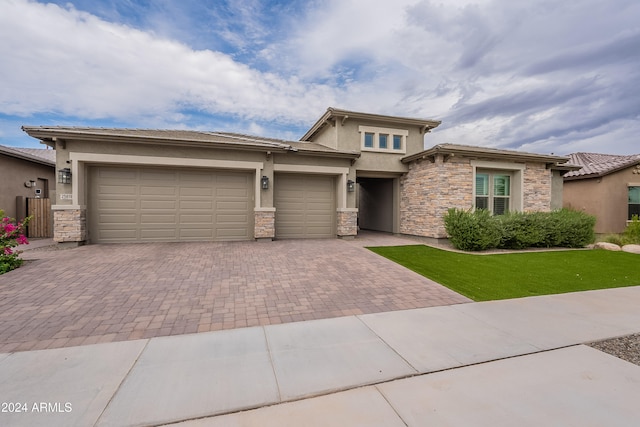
{"x":149,"y":204}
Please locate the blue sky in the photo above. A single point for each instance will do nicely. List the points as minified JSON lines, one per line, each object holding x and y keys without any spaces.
{"x":537,"y":75}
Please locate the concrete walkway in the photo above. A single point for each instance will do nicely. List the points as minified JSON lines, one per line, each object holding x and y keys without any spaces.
{"x":501,"y":363}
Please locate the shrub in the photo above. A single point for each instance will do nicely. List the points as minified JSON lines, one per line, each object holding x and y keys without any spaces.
{"x":520,"y":230}
{"x":478,"y":230}
{"x":632,"y":233}
{"x":11,"y":235}
{"x":616,"y":239}
{"x":573,"y":229}
{"x":472,"y":231}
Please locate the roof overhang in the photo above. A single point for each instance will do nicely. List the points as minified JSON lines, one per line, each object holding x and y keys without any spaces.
{"x":59,"y":135}
{"x":25,"y":156}
{"x":333,"y":115}
{"x":452,"y":150}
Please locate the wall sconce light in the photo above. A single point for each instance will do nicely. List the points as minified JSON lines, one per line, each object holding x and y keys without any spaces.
{"x":264,"y":182}
{"x":30,"y":183}
{"x":64,"y":176}
{"x":351,"y":186}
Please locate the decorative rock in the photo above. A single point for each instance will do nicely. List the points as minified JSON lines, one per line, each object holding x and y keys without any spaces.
{"x":634,"y":249}
{"x":607,"y":246}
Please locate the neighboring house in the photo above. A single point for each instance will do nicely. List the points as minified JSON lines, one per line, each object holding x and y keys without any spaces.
{"x":607,"y":186}
{"x":351,"y":170}
{"x":25,"y":173}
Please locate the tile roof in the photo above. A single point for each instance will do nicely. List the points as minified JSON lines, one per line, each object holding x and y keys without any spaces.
{"x":185,"y":137}
{"x":485,"y":152}
{"x":38,"y":155}
{"x":596,"y":164}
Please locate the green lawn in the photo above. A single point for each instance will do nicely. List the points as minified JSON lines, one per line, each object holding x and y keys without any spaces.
{"x":514,"y":275}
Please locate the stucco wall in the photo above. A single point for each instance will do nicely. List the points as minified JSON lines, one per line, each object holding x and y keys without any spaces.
{"x":13,"y":174}
{"x":605,"y":197}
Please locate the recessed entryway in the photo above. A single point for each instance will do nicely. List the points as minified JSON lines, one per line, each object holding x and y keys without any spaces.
{"x":375,"y":204}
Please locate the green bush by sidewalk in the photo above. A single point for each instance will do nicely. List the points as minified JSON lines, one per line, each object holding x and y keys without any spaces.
{"x":630,"y":236}
{"x":478,"y":230}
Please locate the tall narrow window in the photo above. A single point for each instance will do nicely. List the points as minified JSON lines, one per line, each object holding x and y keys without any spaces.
{"x":368,"y":140}
{"x":397,"y":142}
{"x":634,"y":202}
{"x":482,"y":191}
{"x":383,"y":141}
{"x":501,"y":194}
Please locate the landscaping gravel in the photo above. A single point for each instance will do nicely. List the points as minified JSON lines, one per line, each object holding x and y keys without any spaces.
{"x":626,"y":348}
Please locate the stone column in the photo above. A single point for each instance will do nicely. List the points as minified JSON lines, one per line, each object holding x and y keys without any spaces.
{"x":265,"y":223}
{"x":347,"y":220}
{"x":69,"y":225}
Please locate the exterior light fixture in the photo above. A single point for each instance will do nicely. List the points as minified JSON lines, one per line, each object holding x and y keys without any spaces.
{"x":351,"y":186}
{"x":64,"y":176}
{"x":264,"y":182}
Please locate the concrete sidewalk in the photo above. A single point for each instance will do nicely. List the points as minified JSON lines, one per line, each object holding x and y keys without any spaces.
{"x":511,"y":362}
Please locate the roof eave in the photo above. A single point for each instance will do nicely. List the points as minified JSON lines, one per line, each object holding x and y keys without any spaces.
{"x":425,"y":125}
{"x":27,"y":157}
{"x":453,"y":151}
{"x":49,"y":137}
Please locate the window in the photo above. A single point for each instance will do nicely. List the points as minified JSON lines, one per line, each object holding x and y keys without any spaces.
{"x":384,"y":140}
{"x":397,"y":142}
{"x":368,"y":140}
{"x":493,"y":192}
{"x":634,"y":202}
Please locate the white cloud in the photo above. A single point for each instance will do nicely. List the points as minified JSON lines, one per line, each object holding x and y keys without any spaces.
{"x":73,"y":63}
{"x":540,"y":75}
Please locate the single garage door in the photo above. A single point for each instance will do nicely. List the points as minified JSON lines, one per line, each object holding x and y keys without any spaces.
{"x":152,"y":204}
{"x":305,"y":206}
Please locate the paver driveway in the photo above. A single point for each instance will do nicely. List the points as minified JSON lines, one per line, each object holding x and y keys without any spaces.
{"x":103,"y":293}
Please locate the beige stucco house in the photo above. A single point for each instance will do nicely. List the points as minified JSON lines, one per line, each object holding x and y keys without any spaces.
{"x":607,"y":186}
{"x":25,"y":173}
{"x":350,"y":171}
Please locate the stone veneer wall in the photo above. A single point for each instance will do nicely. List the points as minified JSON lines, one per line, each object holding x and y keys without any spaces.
{"x":537,"y":188}
{"x":429,"y":189}
{"x":347,"y":222}
{"x":69,"y":225}
{"x":265,"y":224}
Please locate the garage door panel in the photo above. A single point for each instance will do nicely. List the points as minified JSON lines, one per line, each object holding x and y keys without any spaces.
{"x":155,"y":175}
{"x":115,"y":218}
{"x":107,"y":204}
{"x":120,"y":235}
{"x":157,"y":234}
{"x":117,"y":189}
{"x":151,"y":190}
{"x":130,"y":204}
{"x":196,"y":205}
{"x":305,"y":206}
{"x":158,"y":219}
{"x":196,"y":219}
{"x":157,"y":204}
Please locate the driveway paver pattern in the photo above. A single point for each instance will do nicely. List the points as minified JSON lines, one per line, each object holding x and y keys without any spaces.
{"x":105,"y":293}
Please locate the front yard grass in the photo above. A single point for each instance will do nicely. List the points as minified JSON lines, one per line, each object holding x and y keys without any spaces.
{"x":515,"y":275}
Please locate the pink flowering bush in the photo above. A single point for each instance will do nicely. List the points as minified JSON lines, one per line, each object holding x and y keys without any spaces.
{"x":11,"y":235}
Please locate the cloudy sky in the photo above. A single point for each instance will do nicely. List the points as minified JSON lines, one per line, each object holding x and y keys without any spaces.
{"x":536,"y":75}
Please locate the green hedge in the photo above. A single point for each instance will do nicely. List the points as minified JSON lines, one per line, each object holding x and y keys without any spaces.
{"x":478,"y":230}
